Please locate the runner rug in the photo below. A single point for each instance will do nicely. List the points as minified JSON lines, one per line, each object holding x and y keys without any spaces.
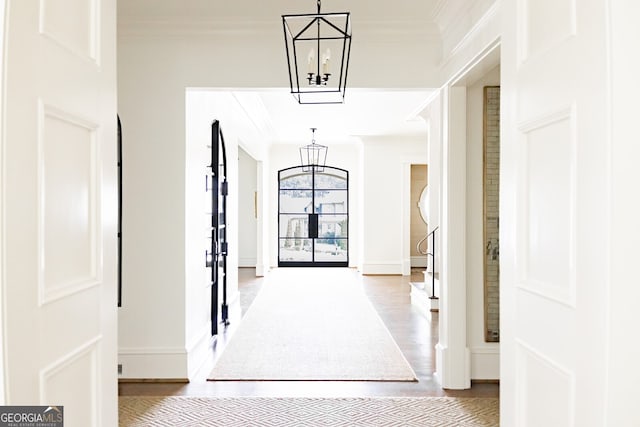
{"x":312,"y":324}
{"x":313,"y":412}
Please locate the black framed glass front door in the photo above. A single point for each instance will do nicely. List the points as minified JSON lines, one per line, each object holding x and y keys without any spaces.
{"x":313,"y":217}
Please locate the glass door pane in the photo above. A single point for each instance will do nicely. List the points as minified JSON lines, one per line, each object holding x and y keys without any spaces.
{"x":296,"y":250}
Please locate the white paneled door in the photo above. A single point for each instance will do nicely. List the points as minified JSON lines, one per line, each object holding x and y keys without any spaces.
{"x":59,"y":201}
{"x":554,"y":210}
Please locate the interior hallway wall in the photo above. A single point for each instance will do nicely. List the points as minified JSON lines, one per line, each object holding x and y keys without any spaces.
{"x":385,"y":161}
{"x":156,"y":65}
{"x":247,"y":210}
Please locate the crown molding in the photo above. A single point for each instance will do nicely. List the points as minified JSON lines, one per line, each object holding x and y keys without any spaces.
{"x":194,"y":27}
{"x":403,"y":29}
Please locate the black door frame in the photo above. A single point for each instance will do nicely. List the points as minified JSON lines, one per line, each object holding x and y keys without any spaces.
{"x":217,"y":257}
{"x":313,"y":219}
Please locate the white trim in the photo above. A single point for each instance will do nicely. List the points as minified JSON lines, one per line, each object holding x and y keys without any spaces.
{"x":374,"y":268}
{"x":523,"y":350}
{"x":485,"y":350}
{"x":473,"y":32}
{"x":454,"y":366}
{"x":485,"y":362}
{"x":523,"y":53}
{"x":127,"y":351}
{"x":609,"y":203}
{"x":419,"y":261}
{"x":92,"y":55}
{"x":420,"y":109}
{"x":399,"y":30}
{"x":154,"y":362}
{"x":473,"y":63}
{"x":197,"y":350}
{"x":4,"y":368}
{"x":90,"y":348}
{"x":247,"y":262}
{"x":48,"y":294}
{"x":197,"y":338}
{"x":405,"y":212}
{"x":545,"y":289}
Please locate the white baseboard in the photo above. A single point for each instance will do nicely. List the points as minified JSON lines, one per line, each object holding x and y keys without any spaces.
{"x":261,"y":270}
{"x":247,"y":262}
{"x":198,"y":350}
{"x":450,"y":376}
{"x":153,"y":363}
{"x":419,"y":261}
{"x":485,"y":362}
{"x":382,"y":268}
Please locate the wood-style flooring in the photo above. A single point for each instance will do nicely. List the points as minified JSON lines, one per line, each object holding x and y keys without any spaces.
{"x":416,"y":336}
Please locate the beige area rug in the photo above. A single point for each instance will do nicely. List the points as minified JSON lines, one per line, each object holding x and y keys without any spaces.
{"x":312,"y":324}
{"x":312,"y":412}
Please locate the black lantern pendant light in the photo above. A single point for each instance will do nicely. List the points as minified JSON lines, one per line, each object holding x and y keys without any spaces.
{"x":313,"y":155}
{"x":318,"y":47}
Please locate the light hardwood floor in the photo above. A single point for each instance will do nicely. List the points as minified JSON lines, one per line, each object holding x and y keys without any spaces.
{"x":415,"y":335}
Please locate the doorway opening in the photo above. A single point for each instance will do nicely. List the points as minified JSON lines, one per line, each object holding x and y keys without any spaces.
{"x":313,"y":217}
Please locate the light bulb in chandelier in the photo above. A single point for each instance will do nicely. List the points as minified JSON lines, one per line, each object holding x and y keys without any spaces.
{"x":314,"y":74}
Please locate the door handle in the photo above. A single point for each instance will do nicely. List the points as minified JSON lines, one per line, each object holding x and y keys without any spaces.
{"x":313,"y":226}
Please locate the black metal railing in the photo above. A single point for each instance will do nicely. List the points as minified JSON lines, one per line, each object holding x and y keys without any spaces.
{"x":432,"y":254}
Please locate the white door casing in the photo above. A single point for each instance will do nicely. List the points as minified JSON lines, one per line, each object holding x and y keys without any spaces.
{"x":554,"y":209}
{"x":453,"y":365}
{"x":59,"y":201}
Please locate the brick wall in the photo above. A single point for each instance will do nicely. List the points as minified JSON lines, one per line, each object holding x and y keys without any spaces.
{"x":491,"y":211}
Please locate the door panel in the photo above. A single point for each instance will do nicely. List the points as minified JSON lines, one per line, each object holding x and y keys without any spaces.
{"x":60,"y":201}
{"x":296,"y":201}
{"x":292,"y":178}
{"x":554,"y":189}
{"x":313,"y":217}
{"x":331,"y":179}
{"x":330,"y":250}
{"x":294,"y":225}
{"x":332,"y":226}
{"x":330,"y":201}
{"x":296,"y":250}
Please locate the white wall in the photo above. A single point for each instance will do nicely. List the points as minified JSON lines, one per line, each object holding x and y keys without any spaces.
{"x":247,"y":215}
{"x":386,"y":173}
{"x":202,"y":107}
{"x":161,"y":326}
{"x":151,"y":334}
{"x":162,"y":329}
{"x":197,"y":282}
{"x":485,"y":357}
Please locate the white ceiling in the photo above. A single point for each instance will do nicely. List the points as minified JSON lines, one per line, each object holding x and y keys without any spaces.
{"x":379,"y":112}
{"x":364,"y":113}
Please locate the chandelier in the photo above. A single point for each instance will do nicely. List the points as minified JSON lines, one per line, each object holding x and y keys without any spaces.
{"x":318,"y":47}
{"x":313,"y":155}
